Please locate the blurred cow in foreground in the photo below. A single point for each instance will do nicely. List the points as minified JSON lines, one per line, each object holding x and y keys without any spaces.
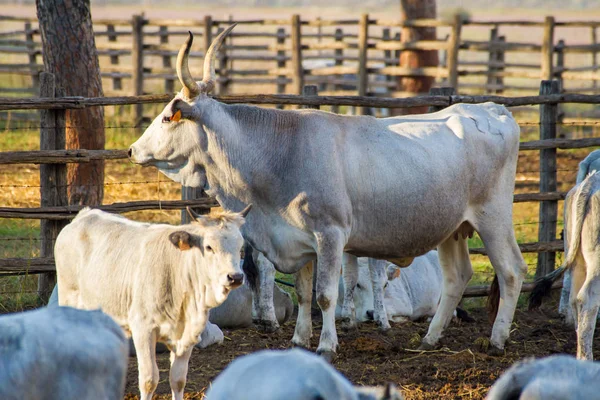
{"x":157,"y":281}
{"x":61,"y":353}
{"x":558,"y":377}
{"x":291,"y":375}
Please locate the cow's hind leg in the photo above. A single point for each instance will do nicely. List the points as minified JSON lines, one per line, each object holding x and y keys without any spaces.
{"x":145,"y":348}
{"x":304,"y":284}
{"x":330,"y":247}
{"x":588,"y":301}
{"x":500,"y":243}
{"x":263,"y":306}
{"x":350,"y":277}
{"x":456,"y":272}
{"x":178,"y":373}
{"x":378,"y":280}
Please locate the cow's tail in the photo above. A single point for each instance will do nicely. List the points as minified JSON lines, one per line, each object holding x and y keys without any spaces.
{"x":573,"y":228}
{"x":250,"y":269}
{"x":493,"y":301}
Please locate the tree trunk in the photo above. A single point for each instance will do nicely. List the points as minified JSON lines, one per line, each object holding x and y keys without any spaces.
{"x":414,"y":9}
{"x":70,"y":54}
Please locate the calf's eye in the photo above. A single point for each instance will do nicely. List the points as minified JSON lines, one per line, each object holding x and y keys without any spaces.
{"x":209,"y":249}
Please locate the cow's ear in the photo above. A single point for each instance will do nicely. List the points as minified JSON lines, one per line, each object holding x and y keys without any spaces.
{"x":396,"y":273}
{"x":180,"y":109}
{"x":182,"y":240}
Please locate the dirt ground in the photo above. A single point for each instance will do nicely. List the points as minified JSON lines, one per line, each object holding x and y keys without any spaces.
{"x":457,"y":370}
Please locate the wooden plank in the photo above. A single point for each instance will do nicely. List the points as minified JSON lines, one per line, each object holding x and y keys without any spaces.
{"x":414,"y":45}
{"x":554,"y":246}
{"x":440,"y":91}
{"x":484,"y":290}
{"x":548,"y":209}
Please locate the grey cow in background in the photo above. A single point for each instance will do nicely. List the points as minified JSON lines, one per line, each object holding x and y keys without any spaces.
{"x":291,"y":375}
{"x":589,"y":164}
{"x":62,"y":353}
{"x":558,"y":377}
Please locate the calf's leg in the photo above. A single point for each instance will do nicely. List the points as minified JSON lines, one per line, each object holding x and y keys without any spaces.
{"x":350,"y":278}
{"x":178,"y":373}
{"x":378,"y":280}
{"x":145,"y":345}
{"x":304,"y":283}
{"x":456,"y":272}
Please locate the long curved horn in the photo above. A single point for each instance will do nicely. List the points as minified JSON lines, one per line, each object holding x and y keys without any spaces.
{"x":209,"y":78}
{"x":190,"y":87}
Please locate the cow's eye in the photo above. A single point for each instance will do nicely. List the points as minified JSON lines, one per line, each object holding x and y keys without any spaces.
{"x":358,"y":286}
{"x":209,"y":249}
{"x":166,"y":119}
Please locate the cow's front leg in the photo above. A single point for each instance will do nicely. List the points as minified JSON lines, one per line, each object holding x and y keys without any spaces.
{"x":178,"y":373}
{"x":350,"y":277}
{"x":330,"y":246}
{"x":378,"y":280}
{"x":144,"y":341}
{"x":263,"y":304}
{"x":304,"y":284}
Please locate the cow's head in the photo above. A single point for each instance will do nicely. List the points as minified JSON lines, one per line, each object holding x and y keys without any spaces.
{"x":214,"y":243}
{"x":363,"y":295}
{"x":174,"y":141}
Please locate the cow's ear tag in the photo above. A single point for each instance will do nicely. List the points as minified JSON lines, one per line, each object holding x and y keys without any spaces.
{"x":176,"y":117}
{"x":396,"y":273}
{"x":183,"y":245}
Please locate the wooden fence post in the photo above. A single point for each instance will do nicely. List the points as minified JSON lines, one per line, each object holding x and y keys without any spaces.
{"x":338,"y":60}
{"x":500,"y":58}
{"x":548,"y":49}
{"x":560,"y":62}
{"x":137,"y":62}
{"x":35,"y":80}
{"x":440,"y":91}
{"x":223,"y":61}
{"x":363,"y":46}
{"x":548,"y":209}
{"x":281,"y":62}
{"x":207,"y":32}
{"x":493,"y":61}
{"x":117,"y":82}
{"x":594,"y":53}
{"x":310,"y":90}
{"x":53,"y":178}
{"x":453,"y":47}
{"x":166,"y":60}
{"x":298,"y":69}
{"x":397,"y":38}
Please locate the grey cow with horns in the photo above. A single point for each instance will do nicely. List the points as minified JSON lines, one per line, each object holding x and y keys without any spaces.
{"x":323,"y":184}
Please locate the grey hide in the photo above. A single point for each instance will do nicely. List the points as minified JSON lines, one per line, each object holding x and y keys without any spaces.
{"x":589,"y":164}
{"x":61,"y":353}
{"x":557,"y":377}
{"x":291,"y":375}
{"x":323,"y":184}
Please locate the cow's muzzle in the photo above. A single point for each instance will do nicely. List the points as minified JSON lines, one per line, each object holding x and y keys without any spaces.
{"x":235,"y":280}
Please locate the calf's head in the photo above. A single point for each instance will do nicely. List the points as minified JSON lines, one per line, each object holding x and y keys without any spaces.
{"x":212,"y":246}
{"x":176,"y":140}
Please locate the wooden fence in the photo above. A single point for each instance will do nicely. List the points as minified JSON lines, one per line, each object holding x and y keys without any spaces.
{"x":52,"y":157}
{"x":344,"y":57}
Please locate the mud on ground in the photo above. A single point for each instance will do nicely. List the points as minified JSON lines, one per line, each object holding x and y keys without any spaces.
{"x":457,"y":370}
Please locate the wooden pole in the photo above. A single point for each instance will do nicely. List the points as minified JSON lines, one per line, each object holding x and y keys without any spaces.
{"x":223,"y":80}
{"x":594,"y":56}
{"x":207,"y":32}
{"x":363,"y":46}
{"x":281,"y":62}
{"x":548,"y":49}
{"x":492,"y":60}
{"x":298,"y":70}
{"x":440,"y":91}
{"x":137,"y":55}
{"x":166,"y":59}
{"x":53,"y":178}
{"x":311,"y":90}
{"x":548,"y":209}
{"x":339,"y":60}
{"x":32,"y":57}
{"x":560,"y":62}
{"x":500,"y":80}
{"x":117,"y":82}
{"x":453,"y":47}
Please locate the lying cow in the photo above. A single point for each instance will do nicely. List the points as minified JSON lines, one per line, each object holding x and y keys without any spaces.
{"x":589,"y":164}
{"x":410,"y":293}
{"x":582,"y":257}
{"x":557,"y":377}
{"x":157,"y":281}
{"x":291,"y":375}
{"x":61,"y":353}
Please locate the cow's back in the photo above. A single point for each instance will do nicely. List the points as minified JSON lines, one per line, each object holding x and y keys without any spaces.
{"x":63,"y":353}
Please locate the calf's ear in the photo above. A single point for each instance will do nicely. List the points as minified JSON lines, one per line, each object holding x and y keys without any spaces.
{"x":182,"y":240}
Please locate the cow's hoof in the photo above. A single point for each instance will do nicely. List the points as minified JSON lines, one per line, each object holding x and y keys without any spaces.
{"x":495,"y":351}
{"x":327,"y":355}
{"x":348,"y":324}
{"x":384,"y":327}
{"x":426,"y":346}
{"x":484,"y":345}
{"x":265,"y":326}
{"x":301,"y":345}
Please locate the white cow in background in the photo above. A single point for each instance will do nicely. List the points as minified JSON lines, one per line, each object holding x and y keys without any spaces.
{"x":61,"y":353}
{"x":582,"y":257}
{"x":291,"y":375}
{"x":324,"y":184}
{"x":157,"y":281}
{"x":589,"y":164}
{"x":557,"y":377}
